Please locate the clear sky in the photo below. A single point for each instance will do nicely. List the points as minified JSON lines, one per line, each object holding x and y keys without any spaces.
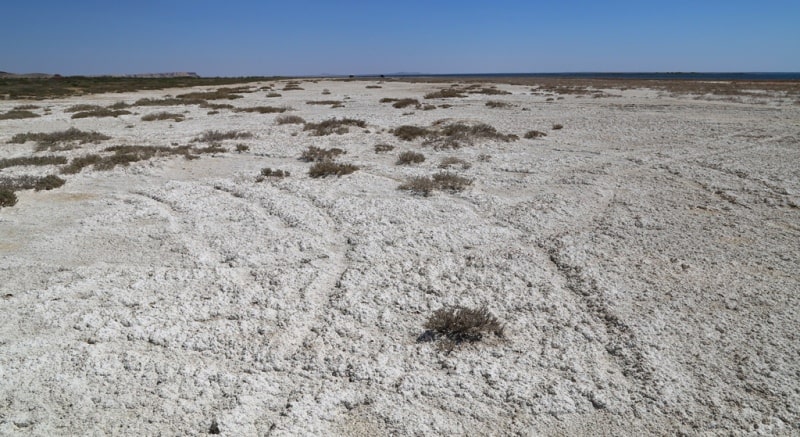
{"x":249,"y":37}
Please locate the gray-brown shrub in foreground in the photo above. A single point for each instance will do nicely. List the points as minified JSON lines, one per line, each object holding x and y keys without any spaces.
{"x":460,"y":324}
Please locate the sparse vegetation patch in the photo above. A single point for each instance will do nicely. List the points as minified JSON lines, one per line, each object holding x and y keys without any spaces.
{"x":33,"y":160}
{"x":445,"y":94}
{"x":163,"y":116}
{"x":334,"y":125}
{"x":533,"y":134}
{"x":330,"y":168}
{"x":270,"y":173}
{"x":51,"y":141}
{"x":289,"y":119}
{"x":263,"y":109}
{"x":18,"y":114}
{"x":383,"y":148}
{"x":410,"y":157}
{"x":498,"y":104}
{"x":460,"y":324}
{"x":317,"y":154}
{"x":102,"y":112}
{"x":214,"y":136}
{"x":452,"y":161}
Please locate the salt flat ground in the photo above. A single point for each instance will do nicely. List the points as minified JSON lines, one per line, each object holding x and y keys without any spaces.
{"x":644,"y":259}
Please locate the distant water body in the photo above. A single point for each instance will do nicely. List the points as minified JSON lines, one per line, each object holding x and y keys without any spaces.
{"x":655,"y":76}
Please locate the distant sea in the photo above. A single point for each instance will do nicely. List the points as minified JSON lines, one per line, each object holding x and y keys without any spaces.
{"x":656,"y":76}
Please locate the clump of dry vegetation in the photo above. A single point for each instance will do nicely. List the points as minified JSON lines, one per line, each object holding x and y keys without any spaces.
{"x":333,"y":103}
{"x":317,"y":154}
{"x":216,"y":106}
{"x":220,"y":94}
{"x":263,"y":109}
{"x":409,"y":133}
{"x":334,"y":125}
{"x":163,"y":116}
{"x":102,"y":112}
{"x":452,"y":161}
{"x":558,"y":126}
{"x":289,"y":119}
{"x":214,"y":136}
{"x":51,"y":141}
{"x":401,"y":103}
{"x":410,"y":157}
{"x":7,"y":198}
{"x":270,"y":173}
{"x":460,"y":324}
{"x":124,"y":155}
{"x":25,"y":107}
{"x":32,"y":160}
{"x":273,"y":94}
{"x":533,"y":134}
{"x":83,"y":107}
{"x":445,"y":94}
{"x":18,"y":114}
{"x":453,"y":135}
{"x":498,"y":104}
{"x":442,"y":181}
{"x":383,"y":148}
{"x":28,"y":182}
{"x":292,"y":86}
{"x":373,"y":86}
{"x":330,"y":168}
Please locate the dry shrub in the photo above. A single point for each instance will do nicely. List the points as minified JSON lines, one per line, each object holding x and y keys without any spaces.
{"x":273,"y":94}
{"x":217,"y":106}
{"x":102,"y":112}
{"x":52,"y":140}
{"x":83,"y":108}
{"x":428,"y":107}
{"x":460,"y":324}
{"x":334,"y":125}
{"x":25,"y":107}
{"x":326,"y":92}
{"x":242,"y":148}
{"x":533,"y":134}
{"x":404,"y":103}
{"x":48,"y":182}
{"x":419,"y":185}
{"x":263,"y":109}
{"x":445,"y":94}
{"x":119,"y":105}
{"x":330,"y":168}
{"x":498,"y":104}
{"x":373,"y":86}
{"x":450,"y":182}
{"x":452,"y":161}
{"x":18,"y":114}
{"x":270,"y":173}
{"x":163,"y":116}
{"x":7,"y":198}
{"x":488,"y":91}
{"x":557,"y":126}
{"x":33,"y":160}
{"x":289,"y":119}
{"x":324,"y":102}
{"x":214,"y":136}
{"x":454,"y":135}
{"x":409,"y":133}
{"x":409,"y":157}
{"x":169,"y":101}
{"x":222,"y":93}
{"x":316,"y":154}
{"x":124,"y":155}
{"x":383,"y":148}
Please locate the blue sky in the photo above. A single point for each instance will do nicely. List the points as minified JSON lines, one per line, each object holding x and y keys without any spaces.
{"x":236,"y":38}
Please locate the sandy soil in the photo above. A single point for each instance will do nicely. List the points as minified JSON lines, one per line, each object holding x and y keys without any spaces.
{"x":644,"y":259}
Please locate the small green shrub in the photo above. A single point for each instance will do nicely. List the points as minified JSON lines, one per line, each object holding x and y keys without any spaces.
{"x":445,"y":94}
{"x":533,"y":134}
{"x":316,"y":154}
{"x":16,"y":114}
{"x":270,"y":173}
{"x":410,"y":157}
{"x":409,"y":133}
{"x":263,"y":109}
{"x":334,"y":125}
{"x":48,"y":182}
{"x":50,"y":141}
{"x":452,"y":161}
{"x":330,"y":168}
{"x":214,"y":136}
{"x":33,"y":160}
{"x":289,"y":119}
{"x":163,"y":116}
{"x":7,"y":198}
{"x":102,"y":112}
